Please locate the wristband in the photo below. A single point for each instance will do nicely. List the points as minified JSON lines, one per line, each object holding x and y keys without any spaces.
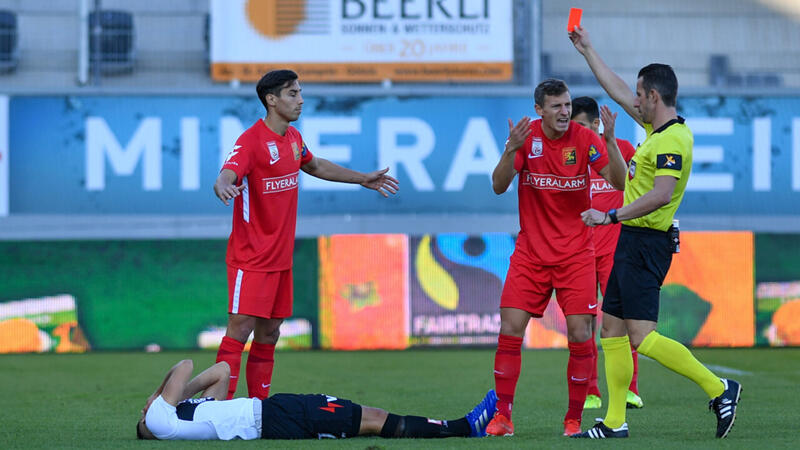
{"x":612,"y":214}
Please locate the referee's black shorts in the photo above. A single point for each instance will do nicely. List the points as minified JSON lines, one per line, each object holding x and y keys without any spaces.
{"x":641,"y":262}
{"x":309,"y":416}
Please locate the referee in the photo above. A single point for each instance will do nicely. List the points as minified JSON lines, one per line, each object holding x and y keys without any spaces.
{"x":654,"y":188}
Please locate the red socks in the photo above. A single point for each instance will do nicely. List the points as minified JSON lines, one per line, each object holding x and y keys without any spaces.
{"x":259,"y":369}
{"x":579,"y":371}
{"x":507,"y":363}
{"x":635,"y":380}
{"x":593,"y":389}
{"x":230,"y":351}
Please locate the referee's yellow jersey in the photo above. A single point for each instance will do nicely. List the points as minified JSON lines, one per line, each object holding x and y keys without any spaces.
{"x":666,"y":151}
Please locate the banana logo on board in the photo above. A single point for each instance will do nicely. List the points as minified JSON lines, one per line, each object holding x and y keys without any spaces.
{"x":437,"y":284}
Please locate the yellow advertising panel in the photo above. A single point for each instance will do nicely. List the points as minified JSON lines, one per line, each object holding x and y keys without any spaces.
{"x":363,"y":287}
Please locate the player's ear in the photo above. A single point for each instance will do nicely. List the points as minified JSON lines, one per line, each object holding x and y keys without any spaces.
{"x":596,"y":124}
{"x":654,"y":95}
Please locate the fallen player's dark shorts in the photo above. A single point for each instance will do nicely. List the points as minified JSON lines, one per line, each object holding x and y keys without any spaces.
{"x":309,"y":416}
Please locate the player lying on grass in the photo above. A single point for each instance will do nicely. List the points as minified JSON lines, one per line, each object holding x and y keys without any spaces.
{"x":171,"y":413}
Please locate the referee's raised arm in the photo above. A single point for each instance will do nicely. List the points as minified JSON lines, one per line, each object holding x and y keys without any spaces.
{"x":611,"y":82}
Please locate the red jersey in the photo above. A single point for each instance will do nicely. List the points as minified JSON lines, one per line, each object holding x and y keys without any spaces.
{"x":265,"y":214}
{"x":554,"y":191}
{"x":605,"y":197}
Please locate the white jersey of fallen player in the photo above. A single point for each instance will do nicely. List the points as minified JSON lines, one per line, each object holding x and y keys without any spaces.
{"x":209,"y":419}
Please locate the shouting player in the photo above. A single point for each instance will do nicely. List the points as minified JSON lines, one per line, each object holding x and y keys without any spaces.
{"x":554,"y":250}
{"x":261,"y":175}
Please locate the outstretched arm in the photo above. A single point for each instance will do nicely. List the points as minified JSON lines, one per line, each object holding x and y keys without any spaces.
{"x":611,"y":82}
{"x":377,"y":180}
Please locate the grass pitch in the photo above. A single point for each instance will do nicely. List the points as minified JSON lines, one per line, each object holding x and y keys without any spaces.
{"x":93,"y":400}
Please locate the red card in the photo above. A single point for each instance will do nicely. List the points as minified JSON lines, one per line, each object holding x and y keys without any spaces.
{"x":574,"y":19}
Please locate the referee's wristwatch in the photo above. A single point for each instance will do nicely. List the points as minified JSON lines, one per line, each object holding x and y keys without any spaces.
{"x":612,"y":214}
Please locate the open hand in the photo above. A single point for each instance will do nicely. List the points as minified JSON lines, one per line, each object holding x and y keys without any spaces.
{"x":379,"y":181}
{"x":517,"y":134}
{"x":609,"y":120}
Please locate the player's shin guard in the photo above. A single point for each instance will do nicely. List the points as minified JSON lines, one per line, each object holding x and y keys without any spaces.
{"x":676,"y":357}
{"x":259,"y":369}
{"x":230,"y":351}
{"x":507,"y":362}
{"x":634,"y":387}
{"x":594,"y":389}
{"x":421,"y":427}
{"x":579,"y":371}
{"x":619,"y":370}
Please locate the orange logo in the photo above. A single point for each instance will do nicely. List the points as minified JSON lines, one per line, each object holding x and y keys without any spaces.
{"x":331,"y":407}
{"x":670,"y":161}
{"x":275,"y":18}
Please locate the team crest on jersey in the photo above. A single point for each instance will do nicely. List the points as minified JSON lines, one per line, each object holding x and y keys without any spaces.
{"x":274,"y":155}
{"x":569,"y":156}
{"x":594,"y":155}
{"x":295,"y":151}
{"x":632,"y":170}
{"x":536,"y":148}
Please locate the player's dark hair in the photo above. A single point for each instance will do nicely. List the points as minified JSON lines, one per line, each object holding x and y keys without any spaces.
{"x":550,"y":86}
{"x":585,"y":105}
{"x":273,"y":82}
{"x":662,"y":78}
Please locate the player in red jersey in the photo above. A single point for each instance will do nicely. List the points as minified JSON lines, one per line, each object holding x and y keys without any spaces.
{"x":554,"y":248}
{"x":604,"y":198}
{"x":261,"y":175}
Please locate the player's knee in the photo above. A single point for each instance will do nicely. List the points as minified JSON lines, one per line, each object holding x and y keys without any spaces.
{"x":240,"y":330}
{"x":510,"y":328}
{"x":579,"y":329}
{"x":636,"y":339}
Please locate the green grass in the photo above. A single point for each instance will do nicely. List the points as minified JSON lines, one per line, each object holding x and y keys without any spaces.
{"x":93,"y":400}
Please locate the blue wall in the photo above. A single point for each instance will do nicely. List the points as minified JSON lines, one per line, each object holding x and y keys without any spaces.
{"x":442,"y":149}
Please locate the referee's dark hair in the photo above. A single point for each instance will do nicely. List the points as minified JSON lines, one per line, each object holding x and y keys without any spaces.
{"x":550,"y":86}
{"x":273,"y":82}
{"x":586,"y":105}
{"x":662,"y":78}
